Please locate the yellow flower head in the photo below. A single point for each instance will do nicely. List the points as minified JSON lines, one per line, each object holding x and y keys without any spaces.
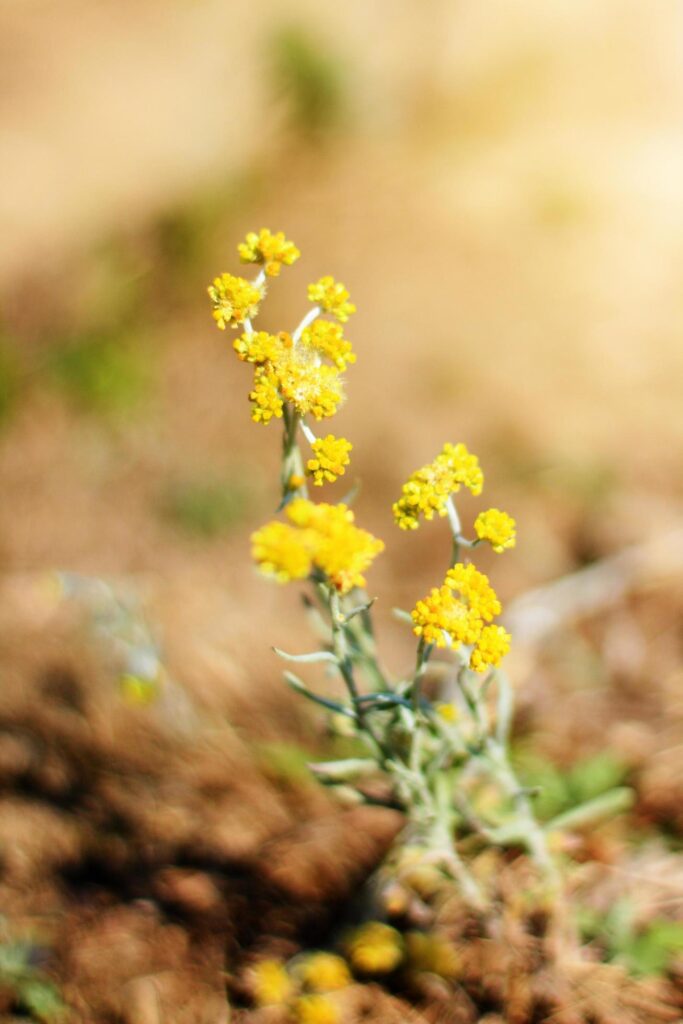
{"x":497,"y":527}
{"x":234,"y":300}
{"x":259,"y":347}
{"x":447,"y":711}
{"x":265,"y":396}
{"x":323,"y":972}
{"x":271,"y":984}
{"x":271,"y":250}
{"x":332,"y":297}
{"x":375,"y":948}
{"x":492,"y":646}
{"x":319,"y":536}
{"x":428,"y":489}
{"x":456,"y":614}
{"x":310,"y":387}
{"x":331,"y":456}
{"x":474,"y":589}
{"x":339,"y":548}
{"x":282,"y":551}
{"x":315,"y":1009}
{"x":327,"y":339}
{"x":442,"y":619}
{"x":464,"y":466}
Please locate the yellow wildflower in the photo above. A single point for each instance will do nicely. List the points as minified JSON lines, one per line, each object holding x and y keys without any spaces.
{"x":311,"y":388}
{"x":282,"y":551}
{"x":265,"y":396}
{"x":444,"y":620}
{"x":315,"y":1010}
{"x":320,"y":536}
{"x":492,"y":646}
{"x":328,"y":340}
{"x":448,"y":712}
{"x":272,"y":250}
{"x":464,"y":466}
{"x":475,"y":590}
{"x":260,"y":347}
{"x":428,"y":489}
{"x":375,"y":948}
{"x":331,"y":296}
{"x":323,"y":972}
{"x":497,"y":527}
{"x":331,"y":456}
{"x":234,"y":300}
{"x":456,"y":613}
{"x":340,"y":550}
{"x":271,"y":984}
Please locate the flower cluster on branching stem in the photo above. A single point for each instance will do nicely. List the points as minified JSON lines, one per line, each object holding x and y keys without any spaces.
{"x":428,"y":753}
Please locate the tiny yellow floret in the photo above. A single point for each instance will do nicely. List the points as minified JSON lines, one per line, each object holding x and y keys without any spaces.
{"x":323,"y":972}
{"x":332,"y":297}
{"x":375,"y":948}
{"x":331,"y":457}
{"x":271,"y":984}
{"x":496,"y":527}
{"x":271,"y":250}
{"x":314,"y":1009}
{"x":234,"y":300}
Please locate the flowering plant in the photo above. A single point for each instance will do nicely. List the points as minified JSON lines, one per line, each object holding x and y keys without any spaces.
{"x":435,"y":742}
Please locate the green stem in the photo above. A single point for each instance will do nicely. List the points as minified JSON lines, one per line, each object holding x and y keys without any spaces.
{"x":534,"y":835}
{"x":345,"y":666}
{"x":292,"y":461}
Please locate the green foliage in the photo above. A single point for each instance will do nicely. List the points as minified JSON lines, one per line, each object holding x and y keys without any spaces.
{"x":9,"y":381}
{"x":310,"y":78}
{"x":206,"y":507}
{"x":643,"y":949}
{"x":101,"y":373}
{"x":284,"y":762}
{"x":30,"y":990}
{"x":560,"y":791}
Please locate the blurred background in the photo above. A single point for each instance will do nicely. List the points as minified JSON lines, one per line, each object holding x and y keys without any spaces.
{"x":499,"y":187}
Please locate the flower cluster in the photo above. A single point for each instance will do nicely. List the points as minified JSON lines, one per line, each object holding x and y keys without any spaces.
{"x":375,"y":948}
{"x":429,"y":488}
{"x":322,"y":972}
{"x":327,"y":339}
{"x":302,"y":989}
{"x":318,"y":537}
{"x":332,"y":297}
{"x":285,"y":372}
{"x":302,"y":369}
{"x":496,"y":527}
{"x":331,"y":457}
{"x":458,"y":614}
{"x":234,"y":300}
{"x":271,"y":250}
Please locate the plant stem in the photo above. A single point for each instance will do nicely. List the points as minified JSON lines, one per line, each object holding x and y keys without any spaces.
{"x":292,"y":462}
